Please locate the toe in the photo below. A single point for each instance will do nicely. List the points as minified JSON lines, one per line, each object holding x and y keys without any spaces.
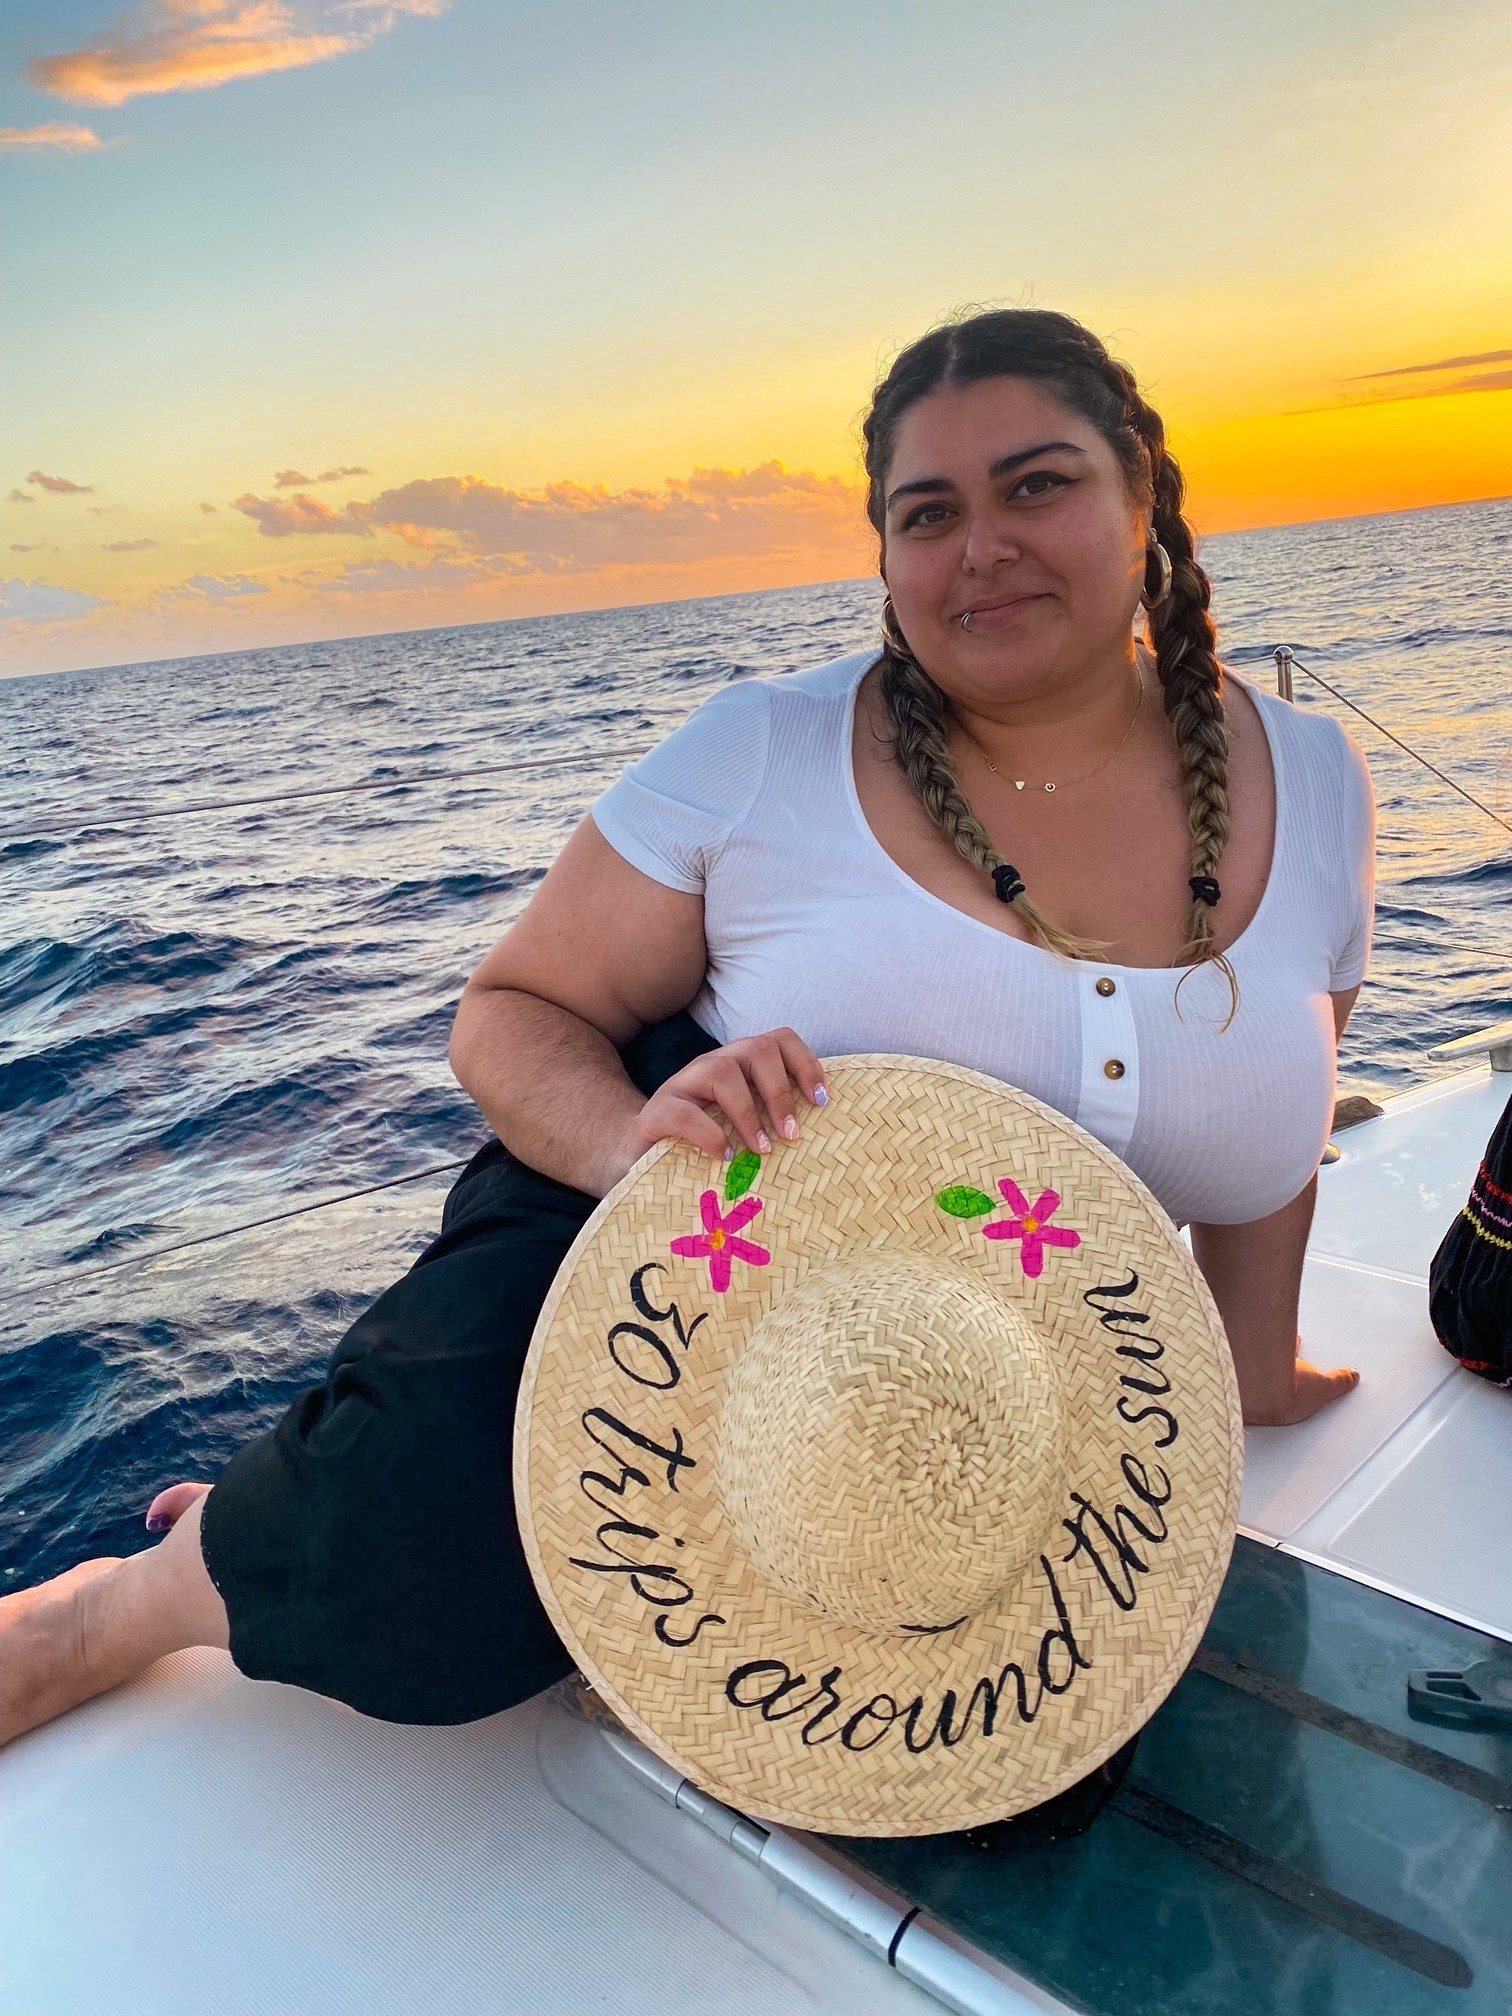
{"x":170,"y":1506}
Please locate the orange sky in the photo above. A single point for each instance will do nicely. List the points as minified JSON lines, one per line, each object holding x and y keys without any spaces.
{"x":341,"y":318}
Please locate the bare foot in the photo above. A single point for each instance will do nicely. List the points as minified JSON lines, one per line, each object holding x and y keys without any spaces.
{"x":53,"y":1650}
{"x":1312,"y":1390}
{"x":44,"y":1667}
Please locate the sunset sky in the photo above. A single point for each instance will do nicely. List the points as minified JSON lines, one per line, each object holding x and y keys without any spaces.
{"x":337,"y":316}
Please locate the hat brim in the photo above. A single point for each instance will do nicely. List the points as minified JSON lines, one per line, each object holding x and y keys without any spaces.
{"x":756,"y":1697}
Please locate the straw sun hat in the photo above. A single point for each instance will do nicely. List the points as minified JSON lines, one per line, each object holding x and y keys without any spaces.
{"x":885,"y":1484}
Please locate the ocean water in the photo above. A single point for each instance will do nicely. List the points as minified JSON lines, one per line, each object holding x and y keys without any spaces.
{"x":221,"y":1016}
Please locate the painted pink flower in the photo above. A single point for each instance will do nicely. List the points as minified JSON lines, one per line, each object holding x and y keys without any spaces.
{"x":1030,"y":1225}
{"x":719,"y":1242}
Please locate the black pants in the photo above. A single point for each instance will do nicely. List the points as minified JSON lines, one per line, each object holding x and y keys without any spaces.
{"x":366,"y":1547}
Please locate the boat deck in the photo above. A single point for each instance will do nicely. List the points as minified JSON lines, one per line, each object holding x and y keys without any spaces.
{"x":198,"y":1839}
{"x":1405,"y":1483}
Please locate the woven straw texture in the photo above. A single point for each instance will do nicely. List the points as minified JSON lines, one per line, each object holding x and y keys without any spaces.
{"x":892,"y":1534}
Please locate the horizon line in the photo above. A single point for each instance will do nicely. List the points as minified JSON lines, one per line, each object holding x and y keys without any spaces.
{"x":678,"y":601}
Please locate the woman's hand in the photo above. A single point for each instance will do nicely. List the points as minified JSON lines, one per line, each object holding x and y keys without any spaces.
{"x":745,"y":1092}
{"x":1255,"y":1273}
{"x":1310,"y":1390}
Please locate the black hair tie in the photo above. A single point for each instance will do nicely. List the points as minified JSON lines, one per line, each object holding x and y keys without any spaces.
{"x":1204,"y":889}
{"x":1009,"y":883}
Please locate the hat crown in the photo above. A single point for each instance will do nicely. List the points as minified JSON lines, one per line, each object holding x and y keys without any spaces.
{"x":891,"y":1443}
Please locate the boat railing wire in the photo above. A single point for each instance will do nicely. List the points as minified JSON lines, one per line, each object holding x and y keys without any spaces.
{"x":583,"y":757}
{"x":1344,"y":700}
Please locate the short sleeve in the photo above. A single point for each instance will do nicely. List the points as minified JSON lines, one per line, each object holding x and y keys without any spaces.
{"x":1358,"y":795}
{"x":671,"y":812}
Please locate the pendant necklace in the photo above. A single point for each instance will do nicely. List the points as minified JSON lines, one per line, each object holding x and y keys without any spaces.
{"x":1019,"y":782}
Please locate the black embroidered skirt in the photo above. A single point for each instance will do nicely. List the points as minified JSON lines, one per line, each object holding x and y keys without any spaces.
{"x":366,"y":1547}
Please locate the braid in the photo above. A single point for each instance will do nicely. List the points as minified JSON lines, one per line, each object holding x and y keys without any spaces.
{"x":1066,"y":357}
{"x":1191,"y":680}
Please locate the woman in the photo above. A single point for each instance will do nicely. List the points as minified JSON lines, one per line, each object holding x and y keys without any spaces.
{"x":868,"y":856}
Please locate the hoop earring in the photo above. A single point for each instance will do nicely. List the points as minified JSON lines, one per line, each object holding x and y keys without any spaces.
{"x":892,"y":636}
{"x":1163,"y":562}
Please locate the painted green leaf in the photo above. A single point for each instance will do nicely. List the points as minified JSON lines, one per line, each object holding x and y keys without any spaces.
{"x":961,"y":1201}
{"x":742,"y":1173}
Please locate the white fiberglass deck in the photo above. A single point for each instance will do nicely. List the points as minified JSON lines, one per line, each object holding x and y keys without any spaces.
{"x":1406,"y":1481}
{"x":198,"y":1840}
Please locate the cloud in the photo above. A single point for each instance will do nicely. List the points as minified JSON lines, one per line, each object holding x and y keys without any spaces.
{"x":381,"y":577}
{"x":287,"y":517}
{"x":214,"y":588}
{"x":1483,"y":381}
{"x":196,"y":45}
{"x":1443,"y":364}
{"x":209,"y":509}
{"x":60,"y":485}
{"x":290,"y":479}
{"x":20,"y":497}
{"x":63,"y":135}
{"x":37,"y":548}
{"x":570,"y":527}
{"x":1478,"y":381}
{"x":128,"y":545}
{"x":39,"y":602}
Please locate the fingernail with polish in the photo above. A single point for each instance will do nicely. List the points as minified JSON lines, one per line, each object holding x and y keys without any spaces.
{"x":764,"y":1143}
{"x":821,"y":1097}
{"x":729,"y":1153}
{"x":790,"y":1128}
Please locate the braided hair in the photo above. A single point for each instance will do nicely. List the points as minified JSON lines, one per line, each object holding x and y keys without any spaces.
{"x":1057,"y":352}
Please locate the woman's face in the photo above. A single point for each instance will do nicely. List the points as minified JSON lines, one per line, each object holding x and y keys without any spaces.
{"x":1003,"y":503}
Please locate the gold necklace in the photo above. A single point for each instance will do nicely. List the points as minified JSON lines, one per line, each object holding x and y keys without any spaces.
{"x":1019,"y":782}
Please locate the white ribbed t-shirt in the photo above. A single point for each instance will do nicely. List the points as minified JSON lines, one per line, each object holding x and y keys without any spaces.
{"x":810,"y":923}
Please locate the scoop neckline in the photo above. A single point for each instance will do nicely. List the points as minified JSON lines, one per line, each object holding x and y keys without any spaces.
{"x":906,"y":881}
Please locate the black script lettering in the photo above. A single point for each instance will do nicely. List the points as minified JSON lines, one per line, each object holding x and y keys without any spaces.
{"x":592,"y":1481}
{"x":1124,"y":1594}
{"x":947,"y":1730}
{"x":639,"y":1572}
{"x":740,"y":1675}
{"x":674,"y":1458}
{"x":671,"y":1314}
{"x":1160,"y":1384}
{"x":1147,"y":1350}
{"x":1060,"y":1634}
{"x":1134,"y":1416}
{"x":881,"y":1708}
{"x":1112,"y":1318}
{"x":943,"y":1731}
{"x":824,"y":1700}
{"x":659,"y":1351}
{"x":1141,"y":1487}
{"x":668,"y":1638}
{"x":990,"y":1694}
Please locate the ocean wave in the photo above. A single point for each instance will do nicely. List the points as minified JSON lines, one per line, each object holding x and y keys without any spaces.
{"x":29,"y":849}
{"x":429,"y":896}
{"x":1496,"y":874}
{"x":107,"y":1244}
